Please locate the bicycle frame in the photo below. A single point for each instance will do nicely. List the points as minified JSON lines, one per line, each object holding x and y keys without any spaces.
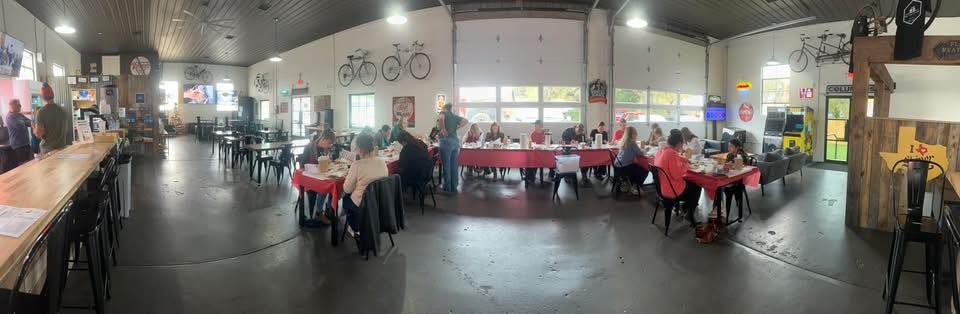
{"x":359,"y":59}
{"x":415,"y":48}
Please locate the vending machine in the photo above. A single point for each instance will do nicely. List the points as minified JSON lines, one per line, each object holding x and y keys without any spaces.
{"x":798,"y":129}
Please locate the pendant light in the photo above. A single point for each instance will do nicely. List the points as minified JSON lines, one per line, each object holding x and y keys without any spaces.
{"x":276,"y":26}
{"x":773,"y":49}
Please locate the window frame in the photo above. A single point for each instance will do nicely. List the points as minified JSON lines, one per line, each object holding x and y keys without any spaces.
{"x":169,"y":102}
{"x":262,"y":114}
{"x":786,"y":75}
{"x":681,"y":107}
{"x":54,"y":68}
{"x":32,"y":66}
{"x":350,"y":108}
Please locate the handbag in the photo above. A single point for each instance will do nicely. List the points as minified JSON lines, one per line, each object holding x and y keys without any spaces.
{"x":708,"y":232}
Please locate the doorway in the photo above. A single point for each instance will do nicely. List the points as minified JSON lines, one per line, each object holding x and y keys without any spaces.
{"x":838,"y":114}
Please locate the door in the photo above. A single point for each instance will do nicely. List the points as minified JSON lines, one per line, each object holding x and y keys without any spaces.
{"x":838,"y":113}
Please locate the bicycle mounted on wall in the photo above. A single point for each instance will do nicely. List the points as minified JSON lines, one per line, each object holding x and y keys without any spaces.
{"x":196,"y":73}
{"x":357,"y":66}
{"x":418,"y":64}
{"x":823,"y":52}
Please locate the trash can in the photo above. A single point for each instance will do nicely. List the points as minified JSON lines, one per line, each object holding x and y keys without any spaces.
{"x":124,"y":177}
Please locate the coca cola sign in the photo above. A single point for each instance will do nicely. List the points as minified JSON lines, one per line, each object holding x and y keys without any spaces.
{"x":947,"y":50}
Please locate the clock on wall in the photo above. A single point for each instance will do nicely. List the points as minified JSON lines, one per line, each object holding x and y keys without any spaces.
{"x":140,"y":65}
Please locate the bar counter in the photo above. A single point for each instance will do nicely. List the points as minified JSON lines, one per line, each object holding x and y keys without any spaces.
{"x":46,"y":184}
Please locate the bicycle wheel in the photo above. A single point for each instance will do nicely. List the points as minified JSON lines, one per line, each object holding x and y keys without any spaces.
{"x":420,"y":65}
{"x":846,"y":52}
{"x":390,"y":68}
{"x":190,"y":73}
{"x":798,"y":60}
{"x":206,"y":77}
{"x":345,"y":75}
{"x":367,"y":73}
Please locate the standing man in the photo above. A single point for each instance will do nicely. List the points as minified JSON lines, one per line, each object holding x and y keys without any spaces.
{"x":449,"y":123}
{"x":17,"y":125}
{"x":51,"y":124}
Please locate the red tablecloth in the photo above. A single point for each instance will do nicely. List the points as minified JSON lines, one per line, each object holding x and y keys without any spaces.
{"x":711,"y":183}
{"x":328,"y":186}
{"x":530,"y":158}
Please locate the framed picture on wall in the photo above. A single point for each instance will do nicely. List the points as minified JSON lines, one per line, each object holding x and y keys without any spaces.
{"x":81,"y":79}
{"x":105,"y":78}
{"x":71,"y":80}
{"x":94,"y":79}
{"x":141,"y":98}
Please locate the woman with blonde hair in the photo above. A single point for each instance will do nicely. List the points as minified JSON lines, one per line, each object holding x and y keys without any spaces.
{"x":626,"y":158}
{"x":473,"y":136}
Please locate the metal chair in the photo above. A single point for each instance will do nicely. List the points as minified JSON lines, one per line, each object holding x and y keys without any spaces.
{"x":669,"y":204}
{"x":54,"y":244}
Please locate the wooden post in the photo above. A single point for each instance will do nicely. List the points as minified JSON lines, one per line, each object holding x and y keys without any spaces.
{"x":881,"y":100}
{"x":858,"y":114}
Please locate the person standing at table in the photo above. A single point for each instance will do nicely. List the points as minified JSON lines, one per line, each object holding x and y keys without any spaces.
{"x":573,"y":135}
{"x":414,"y":161}
{"x":674,"y":166}
{"x":691,"y":143}
{"x":322,"y":146}
{"x":626,"y":158}
{"x":449,"y":123}
{"x":17,"y":125}
{"x":51,"y":124}
{"x":382,"y":138}
{"x":362,"y":172}
{"x":622,"y":127}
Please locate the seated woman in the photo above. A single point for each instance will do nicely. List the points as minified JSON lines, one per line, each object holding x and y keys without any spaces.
{"x":493,"y":136}
{"x":435,"y":133}
{"x":321,"y":146}
{"x":735,"y":149}
{"x":473,"y":136}
{"x":414,"y":160}
{"x":599,"y":171}
{"x":573,"y":135}
{"x":621,"y":128}
{"x":674,"y":166}
{"x":656,"y":136}
{"x":362,"y":172}
{"x":626,"y":158}
{"x":691,"y":143}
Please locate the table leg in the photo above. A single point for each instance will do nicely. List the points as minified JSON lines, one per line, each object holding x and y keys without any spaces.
{"x":718,"y":205}
{"x":251,"y":163}
{"x":300,"y":203}
{"x":334,"y":223}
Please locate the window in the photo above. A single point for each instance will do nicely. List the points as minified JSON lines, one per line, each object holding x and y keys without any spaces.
{"x":691,"y":108}
{"x":776,"y":86}
{"x":226,"y":97}
{"x":663,"y":106}
{"x":168,"y":95}
{"x":632,"y":114}
{"x":58,"y":70}
{"x":631,"y":96}
{"x":479,"y":114}
{"x":519,"y":94}
{"x":478,"y":94}
{"x":302,"y":115}
{"x":27,"y":66}
{"x":631,"y":104}
{"x":361,"y":110}
{"x":561,"y":114}
{"x":265,"y":109}
{"x":561,"y":94}
{"x":508,"y":115}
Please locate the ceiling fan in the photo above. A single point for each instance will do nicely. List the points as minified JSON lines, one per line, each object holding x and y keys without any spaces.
{"x":205,"y":21}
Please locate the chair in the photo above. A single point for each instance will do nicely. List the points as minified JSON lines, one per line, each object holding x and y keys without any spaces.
{"x":53,"y":243}
{"x":388,"y":216}
{"x":425,"y":184}
{"x":619,"y":177}
{"x":913,"y":226}
{"x":669,"y":204}
{"x":283,"y":161}
{"x":86,"y":233}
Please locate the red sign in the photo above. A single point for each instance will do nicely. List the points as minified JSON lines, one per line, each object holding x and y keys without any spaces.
{"x":746,"y":112}
{"x":806,"y":93}
{"x":404,"y":110}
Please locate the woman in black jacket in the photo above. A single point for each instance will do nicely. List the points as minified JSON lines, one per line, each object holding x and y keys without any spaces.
{"x":414,"y":160}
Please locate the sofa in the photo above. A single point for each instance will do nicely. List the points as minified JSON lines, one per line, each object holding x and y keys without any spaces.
{"x":713,"y":147}
{"x":776,"y":165}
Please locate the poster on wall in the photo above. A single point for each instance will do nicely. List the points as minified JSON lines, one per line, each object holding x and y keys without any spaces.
{"x":284,"y":107}
{"x":141,"y":98}
{"x":806,"y":93}
{"x":746,"y":112}
{"x":12,"y":55}
{"x":598,"y":92}
{"x":908,"y":147}
{"x":403,"y":111}
{"x":441,"y":100}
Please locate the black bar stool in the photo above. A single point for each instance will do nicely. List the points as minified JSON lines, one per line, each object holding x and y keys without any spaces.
{"x":914,"y":226}
{"x":85,"y":233}
{"x":53,"y":243}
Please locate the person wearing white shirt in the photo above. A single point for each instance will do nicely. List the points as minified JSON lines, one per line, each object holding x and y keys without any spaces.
{"x":691,"y":143}
{"x":362,"y":172}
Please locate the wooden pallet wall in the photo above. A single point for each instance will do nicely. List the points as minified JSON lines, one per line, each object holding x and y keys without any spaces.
{"x":871,"y":207}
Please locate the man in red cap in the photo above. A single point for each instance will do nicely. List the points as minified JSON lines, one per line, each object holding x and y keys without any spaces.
{"x":51,"y":124}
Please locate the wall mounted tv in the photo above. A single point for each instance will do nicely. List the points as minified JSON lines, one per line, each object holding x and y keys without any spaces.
{"x":11,"y":55}
{"x":715,"y":114}
{"x":199,"y":94}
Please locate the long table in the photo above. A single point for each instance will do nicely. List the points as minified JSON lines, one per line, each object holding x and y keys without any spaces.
{"x":264,"y":147}
{"x":46,"y":184}
{"x":532,"y":158}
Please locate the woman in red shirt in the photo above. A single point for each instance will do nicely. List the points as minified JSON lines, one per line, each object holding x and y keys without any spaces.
{"x":618,"y":134}
{"x":674,"y":166}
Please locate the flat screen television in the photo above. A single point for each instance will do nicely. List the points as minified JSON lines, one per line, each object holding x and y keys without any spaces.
{"x":199,"y":94}
{"x":716,"y":114}
{"x":11,"y":55}
{"x":794,"y":123}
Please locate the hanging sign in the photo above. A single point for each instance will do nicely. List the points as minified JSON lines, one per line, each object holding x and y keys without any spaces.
{"x":744,"y":86}
{"x":598,"y":92}
{"x":806,"y":93}
{"x":746,"y":112}
{"x":404,"y":111}
{"x":847,"y":89}
{"x":909,"y":148}
{"x":441,"y":101}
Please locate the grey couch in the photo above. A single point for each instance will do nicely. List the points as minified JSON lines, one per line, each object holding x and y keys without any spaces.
{"x":773,"y":166}
{"x":797,"y":160}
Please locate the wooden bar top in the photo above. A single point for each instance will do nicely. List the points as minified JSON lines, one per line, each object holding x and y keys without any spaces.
{"x":45,"y":184}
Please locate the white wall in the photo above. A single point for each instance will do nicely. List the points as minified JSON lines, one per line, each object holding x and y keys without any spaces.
{"x":319,"y":60}
{"x":923,"y":92}
{"x":188,"y":112}
{"x":37,"y":37}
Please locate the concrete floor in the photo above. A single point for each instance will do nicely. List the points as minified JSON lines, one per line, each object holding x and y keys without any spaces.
{"x":203,"y":238}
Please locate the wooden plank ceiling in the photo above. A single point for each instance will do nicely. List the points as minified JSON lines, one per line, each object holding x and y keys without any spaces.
{"x":112,"y":26}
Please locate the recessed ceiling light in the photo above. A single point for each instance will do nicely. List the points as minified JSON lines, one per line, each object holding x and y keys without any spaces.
{"x":397,"y":19}
{"x":65,"y":29}
{"x":226,"y":79}
{"x":637,"y":23}
{"x":276,"y":59}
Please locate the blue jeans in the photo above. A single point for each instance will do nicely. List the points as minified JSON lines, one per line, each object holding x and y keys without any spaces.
{"x":450,"y":157}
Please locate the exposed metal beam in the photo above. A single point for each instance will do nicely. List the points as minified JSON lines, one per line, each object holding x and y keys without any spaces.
{"x":773,"y":27}
{"x":615,"y":14}
{"x":444,"y":5}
